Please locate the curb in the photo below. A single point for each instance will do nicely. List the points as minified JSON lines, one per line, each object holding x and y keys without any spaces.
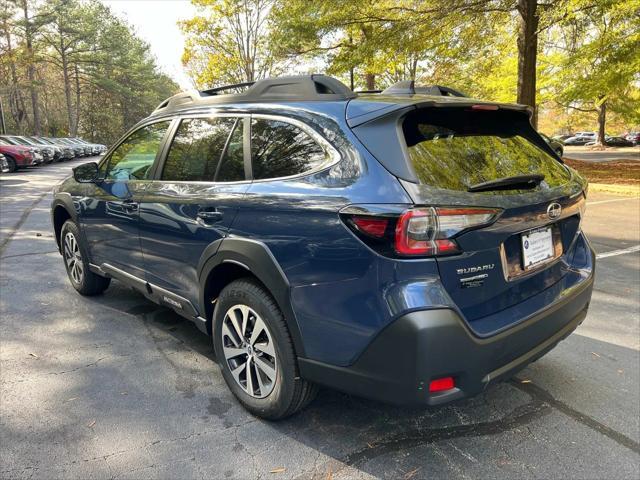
{"x":627,"y":190}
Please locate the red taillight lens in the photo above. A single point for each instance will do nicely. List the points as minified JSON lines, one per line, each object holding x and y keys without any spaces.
{"x":429,"y":231}
{"x":441,"y":384}
{"x":371,"y":226}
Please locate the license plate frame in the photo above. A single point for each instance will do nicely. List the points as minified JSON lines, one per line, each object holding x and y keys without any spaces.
{"x":537,"y":247}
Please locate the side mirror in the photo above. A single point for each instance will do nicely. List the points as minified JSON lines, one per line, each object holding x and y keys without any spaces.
{"x":86,"y":173}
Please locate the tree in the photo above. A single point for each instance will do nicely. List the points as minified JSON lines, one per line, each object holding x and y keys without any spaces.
{"x":227,"y":42}
{"x":601,"y":70}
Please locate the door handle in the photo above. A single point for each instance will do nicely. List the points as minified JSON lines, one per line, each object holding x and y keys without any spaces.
{"x":130,"y":205}
{"x":209,"y":216}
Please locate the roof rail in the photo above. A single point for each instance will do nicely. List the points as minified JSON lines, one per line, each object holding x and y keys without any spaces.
{"x":408,"y":87}
{"x":295,"y":88}
{"x":217,"y":90}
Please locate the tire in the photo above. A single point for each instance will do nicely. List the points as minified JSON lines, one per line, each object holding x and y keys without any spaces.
{"x":12,"y":164}
{"x":270,"y":353}
{"x":76,"y":261}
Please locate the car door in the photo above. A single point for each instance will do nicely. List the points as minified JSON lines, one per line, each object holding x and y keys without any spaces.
{"x":192,"y":201}
{"x":109,"y":212}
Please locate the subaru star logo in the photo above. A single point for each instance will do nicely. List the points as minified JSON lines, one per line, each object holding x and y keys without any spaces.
{"x":553,"y":210}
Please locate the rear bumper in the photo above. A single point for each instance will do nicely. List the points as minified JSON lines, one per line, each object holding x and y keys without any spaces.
{"x":420,"y":346}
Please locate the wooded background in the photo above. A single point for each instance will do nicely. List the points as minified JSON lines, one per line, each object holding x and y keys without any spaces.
{"x":70,"y":66}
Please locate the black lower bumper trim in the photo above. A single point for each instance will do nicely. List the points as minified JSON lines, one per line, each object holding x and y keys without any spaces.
{"x":424,"y":345}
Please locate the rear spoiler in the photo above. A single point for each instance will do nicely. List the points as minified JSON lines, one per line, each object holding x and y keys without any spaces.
{"x":359,"y":112}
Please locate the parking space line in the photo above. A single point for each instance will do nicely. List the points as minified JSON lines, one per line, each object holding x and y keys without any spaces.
{"x":612,"y":200}
{"x":622,"y":251}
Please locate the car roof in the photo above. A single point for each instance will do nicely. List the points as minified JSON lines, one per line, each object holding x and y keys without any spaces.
{"x":319,"y":94}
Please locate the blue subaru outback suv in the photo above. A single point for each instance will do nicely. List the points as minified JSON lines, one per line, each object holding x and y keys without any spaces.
{"x":411,"y":246}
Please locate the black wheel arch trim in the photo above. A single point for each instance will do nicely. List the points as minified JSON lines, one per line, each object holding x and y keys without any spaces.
{"x":65,"y":201}
{"x":256,"y":257}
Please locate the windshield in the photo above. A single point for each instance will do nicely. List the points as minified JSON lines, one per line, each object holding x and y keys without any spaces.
{"x":456,"y":148}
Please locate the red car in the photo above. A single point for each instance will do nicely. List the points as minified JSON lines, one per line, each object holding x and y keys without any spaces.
{"x":18,"y":156}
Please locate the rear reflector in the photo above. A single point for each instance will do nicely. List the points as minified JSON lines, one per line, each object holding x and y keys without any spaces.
{"x":371,"y":226}
{"x":441,"y":384}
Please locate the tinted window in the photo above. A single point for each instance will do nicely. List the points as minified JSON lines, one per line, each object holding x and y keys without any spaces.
{"x":279,"y":149}
{"x":196,"y":149}
{"x":455,"y":148}
{"x":231,"y":167}
{"x":133,"y":157}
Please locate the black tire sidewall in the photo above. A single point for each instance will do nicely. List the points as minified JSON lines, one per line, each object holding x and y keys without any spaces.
{"x":70,"y":227}
{"x":253,"y":295}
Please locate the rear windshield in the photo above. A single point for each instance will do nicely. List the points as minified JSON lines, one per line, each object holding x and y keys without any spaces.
{"x":457,"y":148}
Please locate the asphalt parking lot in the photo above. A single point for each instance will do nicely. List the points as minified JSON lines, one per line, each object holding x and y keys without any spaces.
{"x":117,"y":387}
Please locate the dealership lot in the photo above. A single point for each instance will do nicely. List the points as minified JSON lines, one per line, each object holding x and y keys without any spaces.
{"x":117,"y":387}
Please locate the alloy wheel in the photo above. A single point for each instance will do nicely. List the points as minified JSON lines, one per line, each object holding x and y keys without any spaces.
{"x":73,"y":258}
{"x":249,"y":351}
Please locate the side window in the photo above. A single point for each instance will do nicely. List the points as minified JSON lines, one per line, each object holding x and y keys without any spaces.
{"x":231,"y":166}
{"x":133,"y":158}
{"x":279,"y":149}
{"x":196,"y":149}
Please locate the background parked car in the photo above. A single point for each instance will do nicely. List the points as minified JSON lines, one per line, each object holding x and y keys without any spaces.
{"x":4,"y":165}
{"x":77,"y":149}
{"x":67,"y":151}
{"x":614,"y":142}
{"x":97,"y":147}
{"x":556,"y":145}
{"x":48,"y":153}
{"x":36,"y":157}
{"x":37,"y":142}
{"x":563,"y":137}
{"x":633,"y":137}
{"x":578,"y":140}
{"x":18,"y":156}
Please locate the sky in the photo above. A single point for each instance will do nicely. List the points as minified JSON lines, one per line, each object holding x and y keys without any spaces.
{"x":155,"y":22}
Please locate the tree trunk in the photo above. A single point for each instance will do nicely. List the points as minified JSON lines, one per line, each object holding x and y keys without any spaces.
{"x":31,"y":69}
{"x":602,"y":119}
{"x":527,"y":53}
{"x":370,"y":80}
{"x":74,"y":132}
{"x":16,"y":101}
{"x":67,"y":87}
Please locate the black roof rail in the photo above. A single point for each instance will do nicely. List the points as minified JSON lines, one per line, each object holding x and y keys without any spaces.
{"x":293,"y":89}
{"x":408,"y":87}
{"x":217,"y":90}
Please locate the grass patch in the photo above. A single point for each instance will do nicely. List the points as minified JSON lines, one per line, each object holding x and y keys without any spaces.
{"x":615,"y":172}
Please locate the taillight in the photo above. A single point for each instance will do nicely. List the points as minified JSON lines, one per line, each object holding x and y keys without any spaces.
{"x":430,"y":231}
{"x":421,"y":231}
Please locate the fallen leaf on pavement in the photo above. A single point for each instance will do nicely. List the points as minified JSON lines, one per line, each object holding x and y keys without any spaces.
{"x":525,"y":381}
{"x":411,"y":474}
{"x":33,"y":355}
{"x":91,"y":424}
{"x":595,"y":354}
{"x":278,"y":470}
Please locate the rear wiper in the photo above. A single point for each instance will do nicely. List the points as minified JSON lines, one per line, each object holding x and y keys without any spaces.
{"x":518,"y":182}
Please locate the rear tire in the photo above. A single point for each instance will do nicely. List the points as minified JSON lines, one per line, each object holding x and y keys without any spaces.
{"x":76,"y":261}
{"x":258,"y":347}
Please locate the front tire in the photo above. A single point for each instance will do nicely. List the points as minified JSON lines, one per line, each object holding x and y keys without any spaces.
{"x":76,"y":261}
{"x":255,"y":352}
{"x":11,"y":165}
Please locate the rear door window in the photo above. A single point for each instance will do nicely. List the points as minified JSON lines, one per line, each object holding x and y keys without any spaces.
{"x":196,"y":150}
{"x":280,"y":149}
{"x":454,"y":149}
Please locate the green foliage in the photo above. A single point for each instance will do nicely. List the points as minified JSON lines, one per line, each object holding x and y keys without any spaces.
{"x":94,"y":76}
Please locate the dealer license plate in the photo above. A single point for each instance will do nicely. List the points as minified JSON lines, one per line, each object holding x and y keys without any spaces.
{"x":537,"y":247}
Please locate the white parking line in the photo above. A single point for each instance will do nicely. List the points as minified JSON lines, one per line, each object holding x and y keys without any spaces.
{"x":622,"y":251}
{"x":612,"y":200}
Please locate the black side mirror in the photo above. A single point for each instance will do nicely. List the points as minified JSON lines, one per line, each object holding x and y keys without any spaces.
{"x":86,"y":173}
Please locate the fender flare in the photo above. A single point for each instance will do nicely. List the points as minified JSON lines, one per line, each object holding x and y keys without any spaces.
{"x":65,"y":201}
{"x":256,"y":257}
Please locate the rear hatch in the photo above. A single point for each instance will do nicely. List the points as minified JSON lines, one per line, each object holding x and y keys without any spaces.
{"x":462,"y":159}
